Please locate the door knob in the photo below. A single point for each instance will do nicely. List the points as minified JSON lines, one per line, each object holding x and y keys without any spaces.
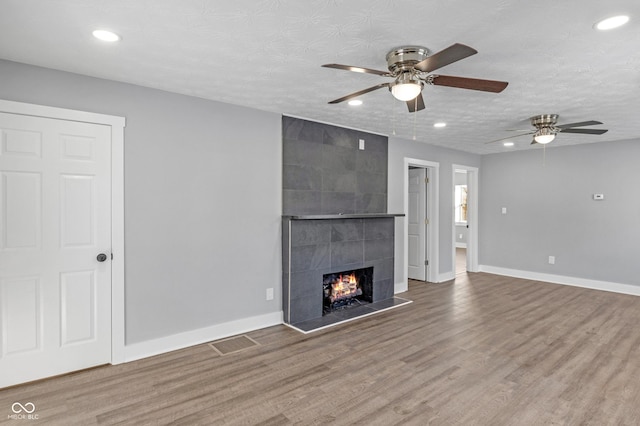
{"x":101,"y":257}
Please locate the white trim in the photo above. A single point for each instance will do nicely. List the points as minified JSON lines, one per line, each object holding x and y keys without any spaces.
{"x":117,"y":203}
{"x":203,"y":335}
{"x":564,"y":280}
{"x":461,"y":245}
{"x":447,"y":276}
{"x":472,"y":217}
{"x":60,"y":113}
{"x":433,"y":209}
{"x":117,"y":246}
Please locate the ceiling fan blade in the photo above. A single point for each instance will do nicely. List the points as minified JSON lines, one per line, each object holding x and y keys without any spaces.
{"x":533,"y":142}
{"x":470,"y":83}
{"x":451,"y":54}
{"x":580,"y":124}
{"x":416,"y":104}
{"x":510,"y":137}
{"x":357,"y":69}
{"x":585,"y":131}
{"x":361,"y":92}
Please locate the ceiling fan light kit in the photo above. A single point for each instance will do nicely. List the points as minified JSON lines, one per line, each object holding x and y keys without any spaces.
{"x":406,"y":87}
{"x":544,"y":135}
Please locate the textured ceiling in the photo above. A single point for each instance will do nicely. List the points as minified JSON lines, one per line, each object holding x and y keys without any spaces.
{"x":266,"y":54}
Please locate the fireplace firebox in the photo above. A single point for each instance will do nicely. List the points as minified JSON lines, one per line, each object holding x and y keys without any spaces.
{"x":344,"y":289}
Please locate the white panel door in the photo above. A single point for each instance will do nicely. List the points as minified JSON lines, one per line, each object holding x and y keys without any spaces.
{"x":416,"y":217}
{"x":55,"y":218}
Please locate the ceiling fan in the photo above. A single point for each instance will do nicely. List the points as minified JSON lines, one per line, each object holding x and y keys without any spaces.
{"x":410,"y":66}
{"x":546,"y":129}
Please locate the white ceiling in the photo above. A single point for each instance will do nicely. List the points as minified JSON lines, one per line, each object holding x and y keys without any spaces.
{"x":266,"y":54}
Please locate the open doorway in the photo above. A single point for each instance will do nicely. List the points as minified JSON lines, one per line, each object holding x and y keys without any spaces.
{"x":461,"y":208}
{"x":465,"y":220}
{"x":421,"y":224}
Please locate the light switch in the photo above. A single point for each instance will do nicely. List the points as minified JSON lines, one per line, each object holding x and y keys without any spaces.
{"x":598,"y":197}
{"x":361,"y":144}
{"x":504,"y":210}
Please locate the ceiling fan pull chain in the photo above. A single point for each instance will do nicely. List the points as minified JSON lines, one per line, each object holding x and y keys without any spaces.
{"x":393,"y":115}
{"x":414,"y":117}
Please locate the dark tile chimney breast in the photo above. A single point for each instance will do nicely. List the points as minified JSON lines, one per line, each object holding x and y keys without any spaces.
{"x":334,"y":213}
{"x":326,"y":172}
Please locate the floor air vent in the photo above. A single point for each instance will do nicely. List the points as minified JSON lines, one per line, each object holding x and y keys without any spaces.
{"x":233,"y":344}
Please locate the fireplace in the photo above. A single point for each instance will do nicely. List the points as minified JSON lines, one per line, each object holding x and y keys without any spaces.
{"x":316,"y":247}
{"x":343,"y":289}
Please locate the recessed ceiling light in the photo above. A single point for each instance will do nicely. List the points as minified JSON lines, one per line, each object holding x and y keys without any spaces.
{"x":440,"y":124}
{"x":508,"y":144}
{"x":105,"y":35}
{"x":611,"y":23}
{"x":355,"y":102}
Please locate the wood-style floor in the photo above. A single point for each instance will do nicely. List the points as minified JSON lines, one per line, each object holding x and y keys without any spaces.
{"x":480,"y":350}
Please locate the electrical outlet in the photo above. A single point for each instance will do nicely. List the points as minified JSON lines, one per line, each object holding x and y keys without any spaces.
{"x":552,"y":260}
{"x":270,"y":293}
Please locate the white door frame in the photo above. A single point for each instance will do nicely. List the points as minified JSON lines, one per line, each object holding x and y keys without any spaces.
{"x":418,"y":271}
{"x":472,"y":217}
{"x":432,"y":214}
{"x":117,"y":204}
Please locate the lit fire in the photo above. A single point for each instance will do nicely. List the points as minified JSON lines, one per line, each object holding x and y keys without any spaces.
{"x":345,"y":287}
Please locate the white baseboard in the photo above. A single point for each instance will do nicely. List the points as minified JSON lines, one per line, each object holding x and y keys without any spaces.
{"x":447,"y":276}
{"x":202,"y":335}
{"x":400,"y":287}
{"x":565,"y":280}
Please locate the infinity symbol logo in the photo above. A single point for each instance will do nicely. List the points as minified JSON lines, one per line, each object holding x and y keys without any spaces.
{"x":28,"y":408}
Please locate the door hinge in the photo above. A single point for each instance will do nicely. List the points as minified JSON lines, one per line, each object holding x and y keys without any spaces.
{"x":426,"y":221}
{"x":426,"y":263}
{"x":426,"y":180}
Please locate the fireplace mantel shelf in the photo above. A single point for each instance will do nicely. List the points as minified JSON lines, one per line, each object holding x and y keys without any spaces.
{"x":342,"y":216}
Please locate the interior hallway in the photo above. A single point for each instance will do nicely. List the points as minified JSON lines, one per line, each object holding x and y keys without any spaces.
{"x":461,"y":260}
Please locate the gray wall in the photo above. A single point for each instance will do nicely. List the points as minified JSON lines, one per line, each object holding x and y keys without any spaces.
{"x":202,"y":199}
{"x":399,"y":149}
{"x":551,"y":212}
{"x":461,"y":234}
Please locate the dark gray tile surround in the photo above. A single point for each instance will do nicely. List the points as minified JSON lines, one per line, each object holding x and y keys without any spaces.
{"x":312,"y":248}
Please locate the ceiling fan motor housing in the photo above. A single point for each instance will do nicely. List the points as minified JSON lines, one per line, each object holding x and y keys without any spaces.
{"x":402,"y":59}
{"x":545,"y":120}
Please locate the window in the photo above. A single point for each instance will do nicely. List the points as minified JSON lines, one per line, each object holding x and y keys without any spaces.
{"x":461,"y":203}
